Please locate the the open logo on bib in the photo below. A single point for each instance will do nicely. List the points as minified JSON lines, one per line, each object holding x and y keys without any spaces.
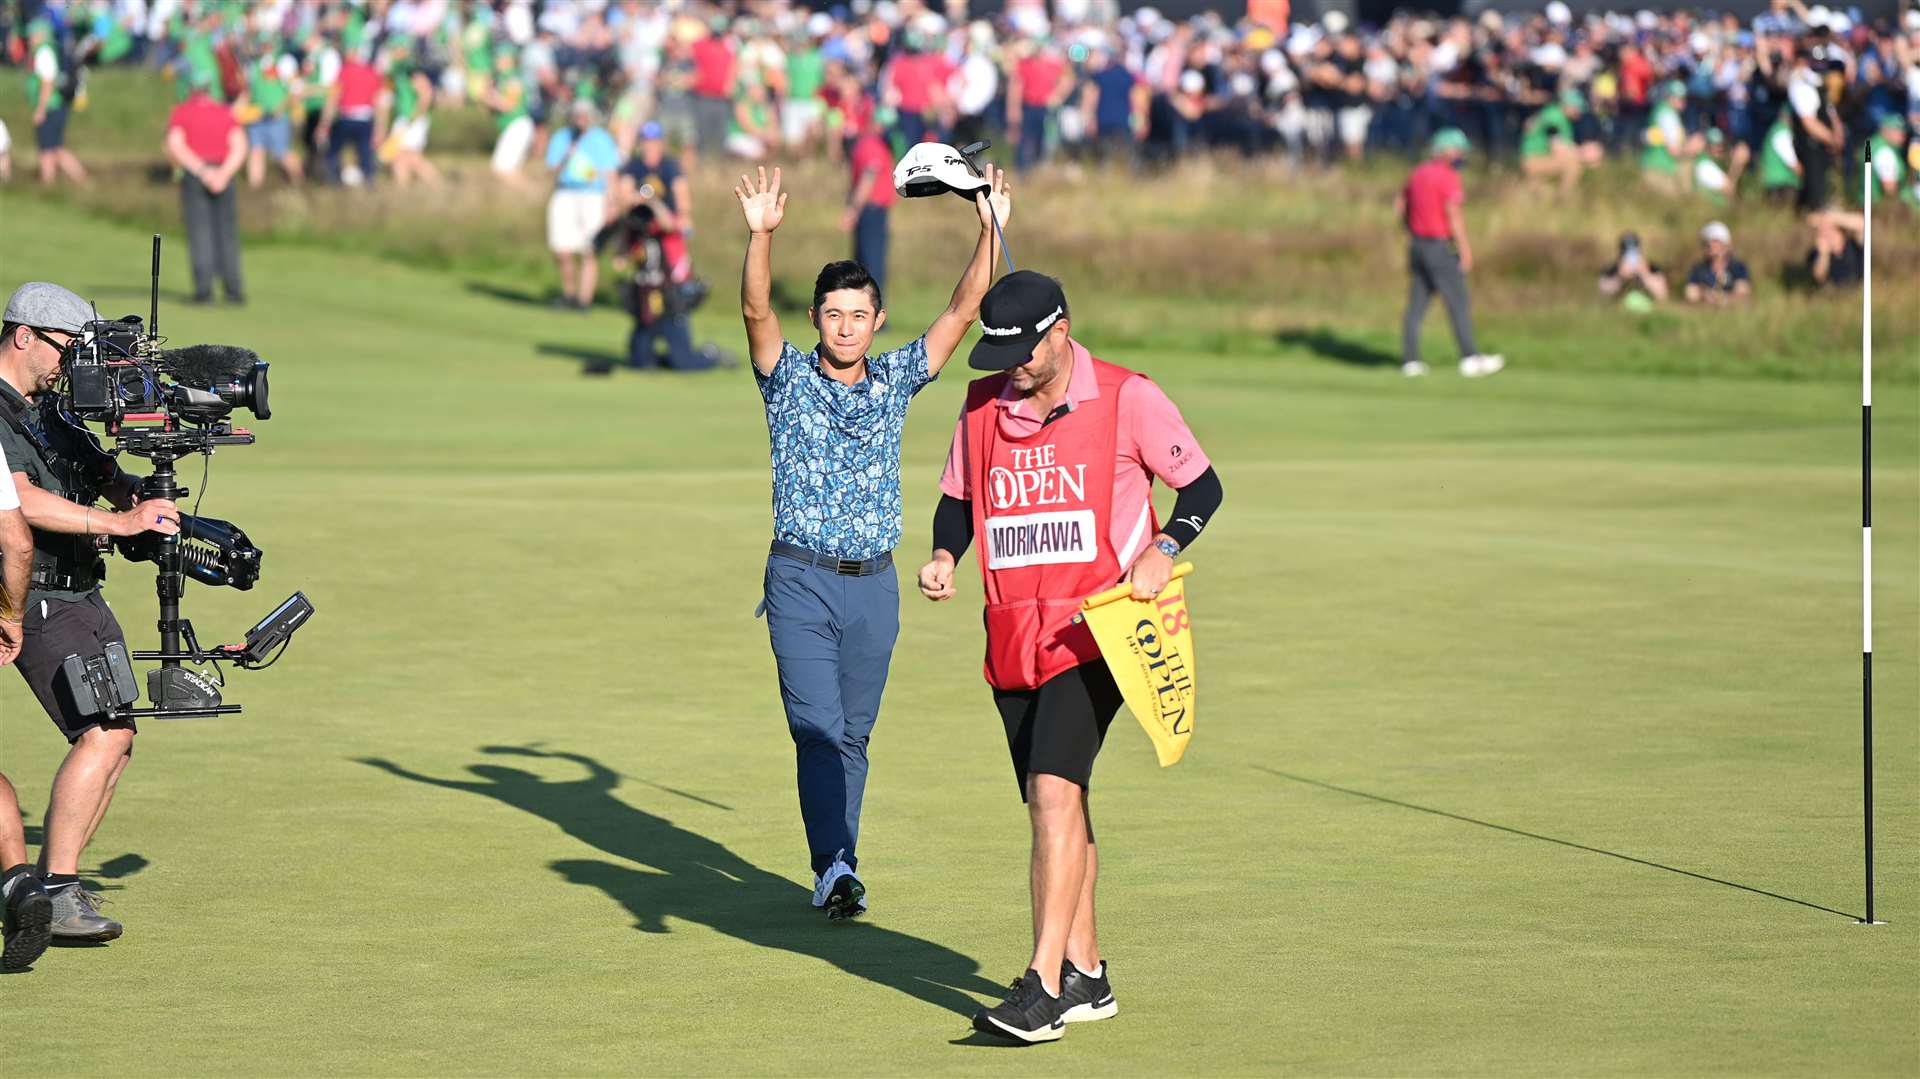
{"x":1041,"y":539}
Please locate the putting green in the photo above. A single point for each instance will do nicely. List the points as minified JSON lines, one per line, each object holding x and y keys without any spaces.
{"x":1529,"y":740}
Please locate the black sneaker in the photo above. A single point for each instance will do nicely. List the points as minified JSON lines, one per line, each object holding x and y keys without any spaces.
{"x":1085,"y":997}
{"x":1027,"y":1015}
{"x":845,"y":897}
{"x":29,"y":923}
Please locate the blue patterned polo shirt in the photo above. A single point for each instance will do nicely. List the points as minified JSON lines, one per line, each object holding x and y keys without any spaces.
{"x":836,"y":449}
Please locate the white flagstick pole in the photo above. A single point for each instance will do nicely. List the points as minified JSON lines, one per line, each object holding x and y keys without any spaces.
{"x":1866,"y":523}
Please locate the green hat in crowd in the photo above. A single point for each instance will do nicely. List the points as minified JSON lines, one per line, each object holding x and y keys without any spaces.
{"x":41,"y":26}
{"x":1673,"y":88}
{"x":1449,"y":140}
{"x":1893,"y":121}
{"x":1571,"y":98}
{"x":1715,"y":136}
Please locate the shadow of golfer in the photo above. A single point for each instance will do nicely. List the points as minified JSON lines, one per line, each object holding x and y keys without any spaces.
{"x":689,"y":877}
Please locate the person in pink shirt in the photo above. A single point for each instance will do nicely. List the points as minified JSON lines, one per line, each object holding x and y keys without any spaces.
{"x":1052,"y":467}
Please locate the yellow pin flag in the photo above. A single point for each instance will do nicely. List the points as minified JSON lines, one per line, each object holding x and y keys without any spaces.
{"x":1148,"y":645}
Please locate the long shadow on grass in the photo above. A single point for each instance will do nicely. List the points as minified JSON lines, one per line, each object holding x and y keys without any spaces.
{"x":593,"y":361}
{"x":524,"y":297}
{"x":1384,"y":800}
{"x":667,"y":872}
{"x":114,"y":868}
{"x":1326,"y":344}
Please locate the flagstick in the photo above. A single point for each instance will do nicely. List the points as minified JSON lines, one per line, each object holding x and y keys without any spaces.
{"x":1866,"y":524}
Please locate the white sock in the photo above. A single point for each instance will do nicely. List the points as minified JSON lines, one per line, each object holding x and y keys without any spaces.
{"x":1098,"y":972}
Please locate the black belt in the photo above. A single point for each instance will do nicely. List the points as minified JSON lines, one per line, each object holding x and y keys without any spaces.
{"x":845,"y":567}
{"x":61,"y":582}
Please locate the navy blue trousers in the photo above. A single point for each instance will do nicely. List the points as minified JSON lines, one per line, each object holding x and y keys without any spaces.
{"x":832,"y":639}
{"x":643,"y":345}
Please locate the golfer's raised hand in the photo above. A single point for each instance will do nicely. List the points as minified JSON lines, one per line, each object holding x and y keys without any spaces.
{"x":763,"y":204}
{"x":995,"y":196}
{"x":936,"y":578}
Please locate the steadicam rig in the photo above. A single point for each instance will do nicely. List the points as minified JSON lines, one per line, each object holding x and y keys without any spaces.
{"x":163,"y":404}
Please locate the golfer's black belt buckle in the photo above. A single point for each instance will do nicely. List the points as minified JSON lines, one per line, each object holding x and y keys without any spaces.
{"x":850,"y":567}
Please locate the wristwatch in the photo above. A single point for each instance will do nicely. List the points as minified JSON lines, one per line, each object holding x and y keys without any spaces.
{"x":1167,"y":547}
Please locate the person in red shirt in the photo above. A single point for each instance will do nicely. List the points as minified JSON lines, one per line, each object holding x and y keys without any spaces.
{"x":713,"y":71}
{"x":917,"y":88}
{"x":208,"y":146}
{"x":872,"y":195}
{"x":348,"y":115}
{"x":1636,"y":86}
{"x":1438,"y":255}
{"x":1038,"y":86}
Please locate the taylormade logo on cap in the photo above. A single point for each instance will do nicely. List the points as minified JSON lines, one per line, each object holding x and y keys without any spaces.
{"x":1011,"y":331}
{"x":1014,"y":315}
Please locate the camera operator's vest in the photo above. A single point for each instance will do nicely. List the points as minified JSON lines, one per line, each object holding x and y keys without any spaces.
{"x":1042,"y":507}
{"x":62,"y":464}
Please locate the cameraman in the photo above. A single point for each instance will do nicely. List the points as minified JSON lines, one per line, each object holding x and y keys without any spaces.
{"x":59,"y":473}
{"x":1632,"y":273}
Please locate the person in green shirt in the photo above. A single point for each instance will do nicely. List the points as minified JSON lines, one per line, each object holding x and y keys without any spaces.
{"x":1549,"y":150}
{"x":1779,"y":166}
{"x":506,"y":97}
{"x":1889,"y":156}
{"x":404,"y":115}
{"x":1715,"y":170}
{"x":50,"y":106}
{"x":476,"y":52}
{"x":1666,"y":142}
{"x":267,"y":106}
{"x":199,"y":60}
{"x":319,"y":66}
{"x":801,"y":110}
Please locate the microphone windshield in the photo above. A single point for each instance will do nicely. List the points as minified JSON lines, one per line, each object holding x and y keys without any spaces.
{"x":209,"y":365}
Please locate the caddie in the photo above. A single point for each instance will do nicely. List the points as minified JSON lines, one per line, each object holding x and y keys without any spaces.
{"x":1052,"y":467}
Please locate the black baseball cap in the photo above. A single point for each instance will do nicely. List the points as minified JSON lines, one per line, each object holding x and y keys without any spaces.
{"x":1014,"y":315}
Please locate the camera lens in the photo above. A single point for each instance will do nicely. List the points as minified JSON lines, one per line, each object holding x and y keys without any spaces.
{"x":258,"y":392}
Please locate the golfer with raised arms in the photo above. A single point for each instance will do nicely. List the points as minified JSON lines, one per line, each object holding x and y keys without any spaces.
{"x":834,"y":415}
{"x":1052,"y":466}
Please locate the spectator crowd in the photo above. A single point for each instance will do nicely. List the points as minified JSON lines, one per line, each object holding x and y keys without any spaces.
{"x":619,"y":99}
{"x":1794,"y":92}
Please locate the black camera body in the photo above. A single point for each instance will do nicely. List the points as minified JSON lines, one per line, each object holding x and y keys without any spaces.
{"x":116,"y":372}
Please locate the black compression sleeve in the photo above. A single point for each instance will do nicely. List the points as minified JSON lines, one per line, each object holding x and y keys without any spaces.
{"x":953,"y":526}
{"x":1193,"y":508}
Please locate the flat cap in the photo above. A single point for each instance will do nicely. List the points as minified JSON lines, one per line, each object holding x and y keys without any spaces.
{"x":47,"y":306}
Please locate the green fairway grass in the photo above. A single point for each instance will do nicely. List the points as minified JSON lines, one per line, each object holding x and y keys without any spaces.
{"x":1529,"y":740}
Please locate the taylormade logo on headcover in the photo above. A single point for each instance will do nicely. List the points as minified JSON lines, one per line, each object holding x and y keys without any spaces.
{"x":1010,"y":331}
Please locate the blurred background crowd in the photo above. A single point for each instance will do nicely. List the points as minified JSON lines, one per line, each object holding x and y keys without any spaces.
{"x":609,"y":109}
{"x":1781,"y":102}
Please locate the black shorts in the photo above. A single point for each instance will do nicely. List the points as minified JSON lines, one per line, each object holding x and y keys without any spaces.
{"x":1057,"y":729}
{"x":69,"y":627}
